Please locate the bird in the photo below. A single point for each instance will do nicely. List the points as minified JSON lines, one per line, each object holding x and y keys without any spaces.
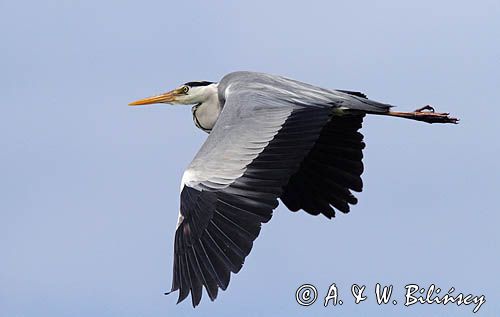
{"x":270,"y":138}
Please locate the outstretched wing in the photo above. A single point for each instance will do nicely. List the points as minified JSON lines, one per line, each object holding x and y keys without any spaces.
{"x":266,"y":128}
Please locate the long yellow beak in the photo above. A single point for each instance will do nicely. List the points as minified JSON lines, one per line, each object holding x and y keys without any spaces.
{"x":163,"y":98}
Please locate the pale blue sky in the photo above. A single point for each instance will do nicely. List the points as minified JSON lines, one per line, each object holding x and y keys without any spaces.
{"x":89,"y":186}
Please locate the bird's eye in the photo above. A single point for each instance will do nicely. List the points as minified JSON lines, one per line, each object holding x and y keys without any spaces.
{"x":185,"y":89}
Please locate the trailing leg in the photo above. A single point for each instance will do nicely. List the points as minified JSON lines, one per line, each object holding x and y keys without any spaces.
{"x":425,"y":114}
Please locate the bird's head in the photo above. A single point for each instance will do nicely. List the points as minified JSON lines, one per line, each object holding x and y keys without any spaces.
{"x":187,"y":94}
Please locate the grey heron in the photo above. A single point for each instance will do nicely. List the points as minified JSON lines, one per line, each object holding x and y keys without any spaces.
{"x":270,"y":138}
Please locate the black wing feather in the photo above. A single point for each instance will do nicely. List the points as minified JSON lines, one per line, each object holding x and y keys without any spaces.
{"x":219,"y":226}
{"x":331,"y":169}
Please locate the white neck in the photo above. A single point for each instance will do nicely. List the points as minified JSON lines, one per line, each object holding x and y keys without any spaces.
{"x":207,"y":111}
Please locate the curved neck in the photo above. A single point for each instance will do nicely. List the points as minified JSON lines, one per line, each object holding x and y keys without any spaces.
{"x":205,"y":114}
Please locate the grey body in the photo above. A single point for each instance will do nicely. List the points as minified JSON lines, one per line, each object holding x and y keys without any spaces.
{"x":279,"y":89}
{"x":254,"y":107}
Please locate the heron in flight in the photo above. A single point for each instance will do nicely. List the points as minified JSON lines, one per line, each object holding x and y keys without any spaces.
{"x":269,"y":137}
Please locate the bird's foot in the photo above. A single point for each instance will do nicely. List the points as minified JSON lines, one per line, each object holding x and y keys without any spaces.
{"x":429,"y":115}
{"x":429,"y":108}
